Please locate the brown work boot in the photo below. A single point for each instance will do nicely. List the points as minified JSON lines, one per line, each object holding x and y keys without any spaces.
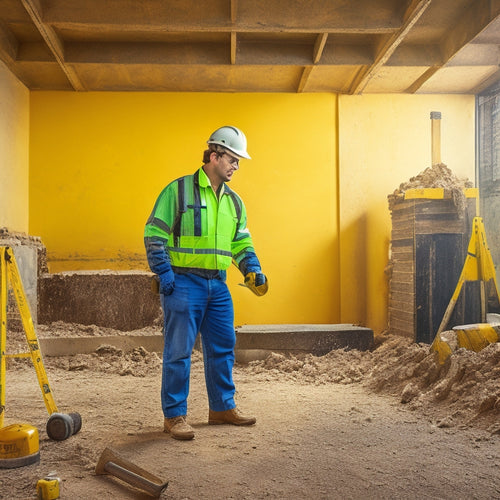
{"x":178,"y":428}
{"x":229,"y":417}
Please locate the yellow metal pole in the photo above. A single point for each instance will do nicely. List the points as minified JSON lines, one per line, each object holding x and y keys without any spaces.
{"x":3,"y":330}
{"x":436,"y":137}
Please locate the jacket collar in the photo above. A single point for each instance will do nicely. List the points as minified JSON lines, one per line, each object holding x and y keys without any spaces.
{"x":201,"y":178}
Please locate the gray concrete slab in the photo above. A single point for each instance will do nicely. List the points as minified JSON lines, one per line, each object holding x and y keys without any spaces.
{"x":69,"y":346}
{"x":253,"y":342}
{"x":316,"y":339}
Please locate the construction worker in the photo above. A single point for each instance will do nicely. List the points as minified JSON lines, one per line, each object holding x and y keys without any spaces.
{"x":196,"y":229}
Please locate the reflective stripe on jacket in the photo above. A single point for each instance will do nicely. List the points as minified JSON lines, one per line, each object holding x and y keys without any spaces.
{"x":197,"y":229}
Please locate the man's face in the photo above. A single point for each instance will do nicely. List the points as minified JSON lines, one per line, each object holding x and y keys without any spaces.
{"x":226,"y":166}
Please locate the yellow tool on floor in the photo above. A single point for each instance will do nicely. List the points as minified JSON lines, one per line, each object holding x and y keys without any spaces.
{"x":60,"y":426}
{"x":477,"y":336}
{"x":478,"y":266}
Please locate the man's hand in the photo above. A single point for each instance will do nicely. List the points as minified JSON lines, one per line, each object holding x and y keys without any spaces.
{"x":167,"y":282}
{"x":257,"y":282}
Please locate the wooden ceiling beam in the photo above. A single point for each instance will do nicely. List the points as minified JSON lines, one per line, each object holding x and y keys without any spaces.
{"x":9,"y":48}
{"x":9,"y":45}
{"x":473,"y":21}
{"x":234,"y":36}
{"x":494,"y":78}
{"x":234,"y":11}
{"x":234,"y":47}
{"x":319,"y":47}
{"x":294,"y":16}
{"x":251,"y":53}
{"x":412,"y":15}
{"x":422,"y":79}
{"x":306,"y":73}
{"x":147,"y":53}
{"x":53,"y":42}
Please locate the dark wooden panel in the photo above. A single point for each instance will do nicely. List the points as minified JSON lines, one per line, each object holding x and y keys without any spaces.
{"x":439,"y":261}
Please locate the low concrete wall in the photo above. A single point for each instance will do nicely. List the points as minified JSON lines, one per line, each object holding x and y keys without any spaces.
{"x":315,"y":339}
{"x":114,"y":299}
{"x":253,"y":342}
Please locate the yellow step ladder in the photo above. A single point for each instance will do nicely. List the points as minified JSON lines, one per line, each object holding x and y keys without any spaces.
{"x":60,"y":426}
{"x":478,"y":266}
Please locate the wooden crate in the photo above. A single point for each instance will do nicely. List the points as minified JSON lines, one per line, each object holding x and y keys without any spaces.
{"x":429,"y":242}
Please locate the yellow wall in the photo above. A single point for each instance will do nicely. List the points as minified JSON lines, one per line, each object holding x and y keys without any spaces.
{"x":14,"y":150}
{"x":384,"y":140}
{"x":99,"y":160}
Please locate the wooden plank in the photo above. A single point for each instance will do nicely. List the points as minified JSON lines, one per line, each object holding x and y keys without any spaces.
{"x":305,"y":76}
{"x":403,"y":269}
{"x":440,"y":226}
{"x":413,"y":13}
{"x":405,"y":244}
{"x":405,"y":277}
{"x":402,"y":254}
{"x":402,"y":305}
{"x":8,"y":44}
{"x":402,"y":318}
{"x":402,"y":287}
{"x":234,"y":47}
{"x":281,"y":16}
{"x":53,"y":42}
{"x":319,"y":46}
{"x":234,"y":10}
{"x":479,"y":15}
{"x":401,"y":325}
{"x":401,"y":235}
{"x":435,"y":207}
{"x":403,"y":205}
{"x":401,"y":332}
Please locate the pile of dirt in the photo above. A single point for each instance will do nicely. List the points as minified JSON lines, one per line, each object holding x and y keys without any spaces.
{"x":437,"y":176}
{"x":62,"y":329}
{"x":106,"y":359}
{"x":463,"y":392}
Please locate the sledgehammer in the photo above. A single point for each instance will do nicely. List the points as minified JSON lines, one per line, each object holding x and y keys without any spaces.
{"x":111,"y":463}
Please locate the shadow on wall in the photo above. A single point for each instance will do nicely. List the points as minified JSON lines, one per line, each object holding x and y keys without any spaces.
{"x":353,"y":272}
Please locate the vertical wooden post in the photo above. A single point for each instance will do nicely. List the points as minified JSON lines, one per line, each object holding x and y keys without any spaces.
{"x":436,"y":137}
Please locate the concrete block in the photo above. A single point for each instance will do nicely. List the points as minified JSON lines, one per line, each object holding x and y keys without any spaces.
{"x":114,"y":299}
{"x":253,"y":342}
{"x":69,"y":346}
{"x":293,"y":339}
{"x":27,"y":262}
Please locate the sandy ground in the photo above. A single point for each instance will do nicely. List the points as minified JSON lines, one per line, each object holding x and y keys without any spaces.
{"x":389,"y":423}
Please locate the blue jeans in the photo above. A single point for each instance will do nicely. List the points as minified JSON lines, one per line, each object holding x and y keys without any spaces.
{"x":197,"y":305}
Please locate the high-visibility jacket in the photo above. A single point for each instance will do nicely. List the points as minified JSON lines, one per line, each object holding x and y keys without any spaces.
{"x":197,"y":229}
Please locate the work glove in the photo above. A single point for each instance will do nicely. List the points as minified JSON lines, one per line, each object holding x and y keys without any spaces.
{"x":167,"y":282}
{"x":257,"y":282}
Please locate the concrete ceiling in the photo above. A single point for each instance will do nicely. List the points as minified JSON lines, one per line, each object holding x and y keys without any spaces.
{"x":341,"y":46}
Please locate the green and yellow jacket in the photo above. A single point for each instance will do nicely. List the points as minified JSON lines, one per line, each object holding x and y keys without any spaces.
{"x":193,"y":230}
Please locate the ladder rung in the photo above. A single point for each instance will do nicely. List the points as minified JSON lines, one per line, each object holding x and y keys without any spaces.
{"x":19,"y":355}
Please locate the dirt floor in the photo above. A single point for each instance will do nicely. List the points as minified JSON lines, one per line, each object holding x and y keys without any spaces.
{"x":389,"y":423}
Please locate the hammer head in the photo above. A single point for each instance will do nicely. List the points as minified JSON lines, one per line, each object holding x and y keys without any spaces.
{"x":106,"y":456}
{"x":111,"y":463}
